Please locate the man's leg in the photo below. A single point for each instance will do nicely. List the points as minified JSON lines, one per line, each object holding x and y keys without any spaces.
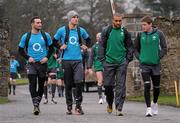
{"x":14,"y":86}
{"x":68,"y":81}
{"x":147,"y":96}
{"x":156,"y":92}
{"x":32,"y":88}
{"x":78,"y":79}
{"x":109,"y":78}
{"x":99,"y":76}
{"x":120,"y":89}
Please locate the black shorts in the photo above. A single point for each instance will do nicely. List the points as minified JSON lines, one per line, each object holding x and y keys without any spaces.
{"x":13,"y":75}
{"x":37,"y":69}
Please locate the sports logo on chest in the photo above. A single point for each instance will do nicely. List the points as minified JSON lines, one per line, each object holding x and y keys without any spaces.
{"x":73,"y":40}
{"x":154,"y":38}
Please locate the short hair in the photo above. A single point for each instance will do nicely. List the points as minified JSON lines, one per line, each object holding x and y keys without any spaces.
{"x":147,"y":19}
{"x":117,"y":14}
{"x":33,"y":18}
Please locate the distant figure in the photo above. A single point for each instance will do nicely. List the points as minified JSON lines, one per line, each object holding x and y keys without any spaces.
{"x":150,"y":48}
{"x":115,"y":51}
{"x":38,"y":45}
{"x":97,"y":66}
{"x":52,"y":76}
{"x":14,"y":67}
{"x":70,"y":37}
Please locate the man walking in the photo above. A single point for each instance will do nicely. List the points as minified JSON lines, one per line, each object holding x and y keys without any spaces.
{"x":39,"y":47}
{"x":14,"y":66}
{"x":115,"y":51}
{"x":150,"y":48}
{"x":71,"y":41}
{"x":97,"y":66}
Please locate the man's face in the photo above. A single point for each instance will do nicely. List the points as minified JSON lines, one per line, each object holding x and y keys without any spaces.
{"x":117,"y":21}
{"x":146,"y":27}
{"x":37,"y":24}
{"x":74,"y":20}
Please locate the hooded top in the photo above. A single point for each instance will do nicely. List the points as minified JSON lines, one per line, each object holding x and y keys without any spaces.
{"x":150,"y":47}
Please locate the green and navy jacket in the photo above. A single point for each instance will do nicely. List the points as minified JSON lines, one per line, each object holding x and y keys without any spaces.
{"x":116,"y":45}
{"x":150,"y":47}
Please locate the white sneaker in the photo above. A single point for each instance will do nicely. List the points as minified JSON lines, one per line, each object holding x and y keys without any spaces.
{"x":100,"y":101}
{"x":104,"y":98}
{"x":148,"y":112}
{"x":154,"y":107}
{"x":53,"y":101}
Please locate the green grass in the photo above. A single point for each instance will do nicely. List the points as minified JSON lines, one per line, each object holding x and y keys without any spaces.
{"x":3,"y":100}
{"x":163,"y":100}
{"x":22,"y":81}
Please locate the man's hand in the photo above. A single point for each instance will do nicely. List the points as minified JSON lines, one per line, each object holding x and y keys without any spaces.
{"x":31,"y":60}
{"x":44,"y":60}
{"x":55,"y":56}
{"x":84,"y":47}
{"x":64,"y":46}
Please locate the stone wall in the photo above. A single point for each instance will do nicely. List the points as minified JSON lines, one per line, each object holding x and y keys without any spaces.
{"x":171,"y":63}
{"x":4,"y":57}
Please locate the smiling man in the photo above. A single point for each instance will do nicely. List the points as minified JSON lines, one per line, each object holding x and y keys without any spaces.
{"x":36,"y":47}
{"x":71,"y":40}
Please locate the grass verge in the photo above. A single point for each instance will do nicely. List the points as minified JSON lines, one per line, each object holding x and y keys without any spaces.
{"x":163,"y":100}
{"x":22,"y":81}
{"x":3,"y":100}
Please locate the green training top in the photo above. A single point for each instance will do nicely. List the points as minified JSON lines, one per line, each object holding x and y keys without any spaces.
{"x":115,"y":48}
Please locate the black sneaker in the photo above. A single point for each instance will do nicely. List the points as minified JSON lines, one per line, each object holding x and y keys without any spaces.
{"x":14,"y":93}
{"x":79,"y":111}
{"x":69,"y":110}
{"x":36,"y":111}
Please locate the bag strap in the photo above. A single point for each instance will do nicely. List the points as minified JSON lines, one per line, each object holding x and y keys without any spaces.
{"x":29,"y":36}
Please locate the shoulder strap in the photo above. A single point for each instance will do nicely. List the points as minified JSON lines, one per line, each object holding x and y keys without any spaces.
{"x":27,"y":40}
{"x":29,"y":36}
{"x":44,"y":37}
{"x":67,"y":35}
{"x":79,"y":35}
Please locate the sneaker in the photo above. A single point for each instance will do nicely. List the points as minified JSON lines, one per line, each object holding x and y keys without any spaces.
{"x":100,"y":101}
{"x":119,"y":113}
{"x":53,"y":101}
{"x":69,"y":110}
{"x":79,"y":111}
{"x":104,"y":98}
{"x":46,"y":101}
{"x":36,"y":111}
{"x":154,"y":107}
{"x":148,"y":112}
{"x":109,"y":109}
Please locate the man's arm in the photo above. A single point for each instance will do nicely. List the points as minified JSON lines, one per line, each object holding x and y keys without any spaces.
{"x":90,"y":59}
{"x":163,"y":45}
{"x":137,"y":46}
{"x":23,"y":53}
{"x":102,"y":45}
{"x":129,"y":46}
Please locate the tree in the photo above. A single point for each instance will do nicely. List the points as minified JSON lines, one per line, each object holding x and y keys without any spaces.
{"x":166,"y":8}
